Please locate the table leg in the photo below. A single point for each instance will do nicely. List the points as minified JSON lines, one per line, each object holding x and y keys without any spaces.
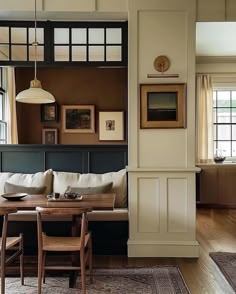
{"x":75,"y":255}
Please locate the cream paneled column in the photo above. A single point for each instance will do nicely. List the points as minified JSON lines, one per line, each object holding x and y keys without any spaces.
{"x":161,"y":166}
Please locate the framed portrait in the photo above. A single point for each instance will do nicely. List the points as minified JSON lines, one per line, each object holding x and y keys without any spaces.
{"x":49,"y":112}
{"x":111,"y":126}
{"x":163,"y":106}
{"x":49,"y":136}
{"x":78,"y":118}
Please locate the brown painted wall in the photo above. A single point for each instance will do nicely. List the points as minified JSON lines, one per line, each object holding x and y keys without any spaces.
{"x":106,"y":88}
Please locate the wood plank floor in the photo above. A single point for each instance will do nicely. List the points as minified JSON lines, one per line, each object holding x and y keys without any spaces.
{"x":216,"y":231}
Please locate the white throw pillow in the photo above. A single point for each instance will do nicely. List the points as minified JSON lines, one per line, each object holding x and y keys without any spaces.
{"x":61,"y":180}
{"x":64,"y":179}
{"x":39,"y":179}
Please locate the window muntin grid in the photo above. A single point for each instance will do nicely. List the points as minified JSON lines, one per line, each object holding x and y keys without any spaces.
{"x":224,"y":110}
{"x":89,"y":44}
{"x":16,"y":42}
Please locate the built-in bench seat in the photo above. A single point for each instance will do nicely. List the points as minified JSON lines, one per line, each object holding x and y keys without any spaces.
{"x":109,"y":228}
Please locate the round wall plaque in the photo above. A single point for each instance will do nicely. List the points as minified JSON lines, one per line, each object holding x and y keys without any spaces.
{"x":161,"y":63}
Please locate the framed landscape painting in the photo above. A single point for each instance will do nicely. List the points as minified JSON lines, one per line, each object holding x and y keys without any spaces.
{"x":111,"y":125}
{"x":78,"y":118}
{"x":163,"y":105}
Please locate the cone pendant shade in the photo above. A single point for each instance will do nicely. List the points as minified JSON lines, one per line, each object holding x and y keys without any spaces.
{"x":35,"y":94}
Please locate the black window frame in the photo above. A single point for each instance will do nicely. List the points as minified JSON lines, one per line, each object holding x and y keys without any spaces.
{"x":49,"y":27}
{"x":216,"y":123}
{"x":27,"y":25}
{"x":3,"y":93}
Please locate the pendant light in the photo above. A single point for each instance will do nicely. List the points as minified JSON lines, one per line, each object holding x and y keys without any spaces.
{"x":35,"y":94}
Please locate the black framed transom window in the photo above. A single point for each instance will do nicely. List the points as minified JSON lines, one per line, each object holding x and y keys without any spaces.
{"x":224,"y":106}
{"x":16,"y":40}
{"x":65,"y":43}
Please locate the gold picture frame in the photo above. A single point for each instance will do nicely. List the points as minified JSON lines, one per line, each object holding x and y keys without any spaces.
{"x":163,"y":106}
{"x":78,"y":118}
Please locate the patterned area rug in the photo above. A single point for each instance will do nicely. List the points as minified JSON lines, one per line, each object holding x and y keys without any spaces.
{"x":161,"y":280}
{"x":227,"y":264}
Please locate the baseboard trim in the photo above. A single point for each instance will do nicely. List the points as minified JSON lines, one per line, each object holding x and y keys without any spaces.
{"x":163,"y":249}
{"x":215,"y":205}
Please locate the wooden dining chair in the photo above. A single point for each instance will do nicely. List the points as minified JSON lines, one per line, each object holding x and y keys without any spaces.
{"x":81,"y":244}
{"x":10,"y":243}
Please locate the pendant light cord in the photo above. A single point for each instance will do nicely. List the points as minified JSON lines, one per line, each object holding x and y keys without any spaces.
{"x":35,"y":44}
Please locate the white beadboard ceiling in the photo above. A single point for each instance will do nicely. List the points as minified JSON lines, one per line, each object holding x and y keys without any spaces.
{"x":216,"y":39}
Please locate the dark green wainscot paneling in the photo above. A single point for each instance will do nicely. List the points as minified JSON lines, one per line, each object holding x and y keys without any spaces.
{"x":71,"y":158}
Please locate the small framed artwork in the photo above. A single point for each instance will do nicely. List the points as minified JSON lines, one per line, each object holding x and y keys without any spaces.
{"x":78,"y":118}
{"x":49,"y":136}
{"x":111,"y":125}
{"x":49,"y":112}
{"x":163,"y":106}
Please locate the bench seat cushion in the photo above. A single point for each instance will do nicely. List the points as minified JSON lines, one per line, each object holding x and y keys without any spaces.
{"x":118,"y":214}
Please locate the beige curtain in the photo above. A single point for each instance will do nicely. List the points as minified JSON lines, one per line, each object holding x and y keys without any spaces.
{"x":205,"y":143}
{"x":12,"y":134}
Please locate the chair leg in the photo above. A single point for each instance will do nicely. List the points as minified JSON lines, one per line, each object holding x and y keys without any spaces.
{"x":44,"y":259}
{"x":3,"y":256}
{"x":90,"y":259}
{"x":40,"y":270}
{"x":82,"y":267}
{"x":22,"y":260}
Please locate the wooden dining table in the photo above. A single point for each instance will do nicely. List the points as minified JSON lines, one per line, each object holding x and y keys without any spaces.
{"x":30,"y":202}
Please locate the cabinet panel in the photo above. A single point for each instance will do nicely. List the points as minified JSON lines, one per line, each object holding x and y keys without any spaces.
{"x":208,"y":186}
{"x":217,"y":185}
{"x":227,"y":185}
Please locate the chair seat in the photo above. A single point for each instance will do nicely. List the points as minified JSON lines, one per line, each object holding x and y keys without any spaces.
{"x":11,"y":241}
{"x":63,"y":243}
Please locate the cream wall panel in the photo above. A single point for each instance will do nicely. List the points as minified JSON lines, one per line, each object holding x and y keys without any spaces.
{"x":231,"y":10}
{"x":177,"y":207}
{"x":210,"y":10}
{"x":168,"y":228}
{"x":167,"y":5}
{"x":148,"y":205}
{"x":22,"y":5}
{"x":70,"y":5}
{"x":163,"y":148}
{"x":133,"y":104}
{"x":162,"y":33}
{"x":112,"y":5}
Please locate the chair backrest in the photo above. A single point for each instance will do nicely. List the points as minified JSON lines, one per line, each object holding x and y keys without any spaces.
{"x":4,"y":212}
{"x":78,"y":217}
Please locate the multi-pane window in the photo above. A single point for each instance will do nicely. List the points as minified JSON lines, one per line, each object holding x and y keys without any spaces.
{"x":64,"y":43}
{"x":3,"y":123}
{"x":91,"y":43}
{"x":16,"y":42}
{"x":88,"y":44}
{"x":224,"y":104}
